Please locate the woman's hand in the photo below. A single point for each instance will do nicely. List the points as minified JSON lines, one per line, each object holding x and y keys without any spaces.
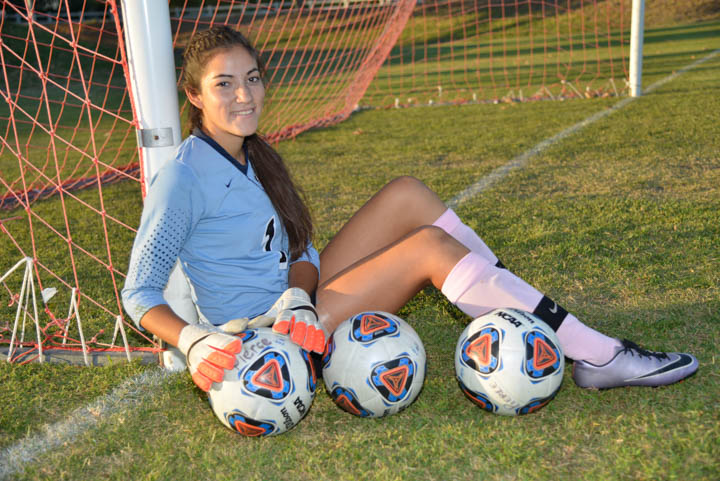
{"x":209,"y":352}
{"x":294,"y":314}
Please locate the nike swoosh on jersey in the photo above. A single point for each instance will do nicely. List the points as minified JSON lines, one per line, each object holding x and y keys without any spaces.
{"x":228,"y":184}
{"x":682,"y":361}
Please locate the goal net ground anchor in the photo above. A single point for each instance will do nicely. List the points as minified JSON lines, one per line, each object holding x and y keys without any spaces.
{"x":76,"y":358}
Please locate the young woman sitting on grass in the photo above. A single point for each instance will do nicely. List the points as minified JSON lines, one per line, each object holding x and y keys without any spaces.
{"x":227,"y":208}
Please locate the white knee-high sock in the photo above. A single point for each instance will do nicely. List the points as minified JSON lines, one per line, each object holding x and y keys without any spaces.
{"x":476,"y":286}
{"x":451,"y":223}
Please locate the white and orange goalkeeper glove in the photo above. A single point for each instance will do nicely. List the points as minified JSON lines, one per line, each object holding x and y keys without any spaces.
{"x":210,"y":350}
{"x":294,"y":314}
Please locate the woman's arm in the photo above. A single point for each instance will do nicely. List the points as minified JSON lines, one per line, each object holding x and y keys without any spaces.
{"x":303,"y":275}
{"x":164,"y":323}
{"x":172,"y":208}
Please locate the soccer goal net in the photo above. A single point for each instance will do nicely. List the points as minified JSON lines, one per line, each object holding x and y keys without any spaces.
{"x":70,"y":166}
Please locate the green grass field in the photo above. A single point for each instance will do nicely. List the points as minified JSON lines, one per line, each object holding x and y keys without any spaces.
{"x":618,"y":222}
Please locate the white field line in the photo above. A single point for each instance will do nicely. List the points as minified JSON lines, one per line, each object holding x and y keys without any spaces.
{"x":522,"y":160}
{"x":127,"y":395}
{"x":138,"y":389}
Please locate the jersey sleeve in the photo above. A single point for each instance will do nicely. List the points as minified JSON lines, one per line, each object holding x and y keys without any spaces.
{"x":172,"y":209}
{"x":310,"y":255}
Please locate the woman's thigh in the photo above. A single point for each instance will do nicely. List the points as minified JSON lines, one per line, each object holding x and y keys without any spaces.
{"x":386,"y":279}
{"x":398,"y":209}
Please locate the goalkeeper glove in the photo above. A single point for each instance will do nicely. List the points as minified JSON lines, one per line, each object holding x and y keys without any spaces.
{"x":294,"y":314}
{"x":209,"y":352}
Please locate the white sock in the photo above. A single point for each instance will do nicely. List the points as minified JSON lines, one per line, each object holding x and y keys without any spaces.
{"x":451,"y":223}
{"x":584,"y":343}
{"x":476,"y":286}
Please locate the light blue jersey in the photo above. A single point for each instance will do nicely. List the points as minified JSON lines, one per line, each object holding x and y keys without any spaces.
{"x":218,"y":220}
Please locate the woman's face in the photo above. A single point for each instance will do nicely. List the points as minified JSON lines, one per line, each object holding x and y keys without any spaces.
{"x":231,"y":97}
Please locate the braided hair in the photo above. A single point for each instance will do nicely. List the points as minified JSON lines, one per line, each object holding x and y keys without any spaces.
{"x":269,"y":167}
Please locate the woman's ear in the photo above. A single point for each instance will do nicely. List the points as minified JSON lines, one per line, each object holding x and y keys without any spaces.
{"x":194,"y":97}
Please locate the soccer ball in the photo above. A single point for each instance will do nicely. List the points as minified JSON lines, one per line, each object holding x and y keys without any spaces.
{"x":270,"y":389}
{"x":374,"y":364}
{"x":509,"y":362}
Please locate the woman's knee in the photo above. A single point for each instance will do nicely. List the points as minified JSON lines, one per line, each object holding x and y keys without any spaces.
{"x":437,"y":252}
{"x":406,"y":185}
{"x":410,"y":196}
{"x":435,"y":239}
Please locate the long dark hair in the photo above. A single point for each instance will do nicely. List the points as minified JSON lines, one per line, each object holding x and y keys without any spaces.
{"x":269,"y":167}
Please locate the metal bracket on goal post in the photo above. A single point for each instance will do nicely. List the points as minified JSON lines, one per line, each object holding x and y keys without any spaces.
{"x":152,"y":82}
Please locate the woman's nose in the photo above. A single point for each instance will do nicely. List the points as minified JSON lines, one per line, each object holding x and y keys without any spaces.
{"x":243,"y":94}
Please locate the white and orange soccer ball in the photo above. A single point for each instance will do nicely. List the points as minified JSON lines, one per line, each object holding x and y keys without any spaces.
{"x":269,"y":390}
{"x":374,"y":364}
{"x":509,"y":362}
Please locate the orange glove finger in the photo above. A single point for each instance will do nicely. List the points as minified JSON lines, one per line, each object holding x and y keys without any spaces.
{"x":211,"y":371}
{"x":221,"y":359}
{"x":201,"y":381}
{"x":225,"y":357}
{"x":298,"y":331}
{"x":234,"y":347}
{"x":315,"y":340}
{"x":320,"y":341}
{"x":309,"y":340}
{"x":281,"y":327}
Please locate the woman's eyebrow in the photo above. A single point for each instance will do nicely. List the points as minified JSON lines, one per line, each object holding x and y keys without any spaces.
{"x":220,"y":75}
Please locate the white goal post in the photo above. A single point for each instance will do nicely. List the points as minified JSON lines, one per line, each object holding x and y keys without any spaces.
{"x":636,"y":47}
{"x":151,"y":65}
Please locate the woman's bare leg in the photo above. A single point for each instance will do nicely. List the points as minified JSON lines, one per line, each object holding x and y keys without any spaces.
{"x":377,"y":262}
{"x":389,"y":250}
{"x":399,"y":208}
{"x":389,"y":277}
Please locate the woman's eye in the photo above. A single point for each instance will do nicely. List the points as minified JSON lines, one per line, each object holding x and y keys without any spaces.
{"x":223,"y":84}
{"x":254,"y":79}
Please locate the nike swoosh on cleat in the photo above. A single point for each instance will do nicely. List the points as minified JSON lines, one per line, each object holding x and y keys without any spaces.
{"x":554,"y":309}
{"x":683,"y":361}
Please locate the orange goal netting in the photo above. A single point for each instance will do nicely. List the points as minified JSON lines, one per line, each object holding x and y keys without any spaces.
{"x":69,"y":166}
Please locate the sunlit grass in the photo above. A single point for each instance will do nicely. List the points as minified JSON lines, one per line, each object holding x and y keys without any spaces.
{"x":617,"y":223}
